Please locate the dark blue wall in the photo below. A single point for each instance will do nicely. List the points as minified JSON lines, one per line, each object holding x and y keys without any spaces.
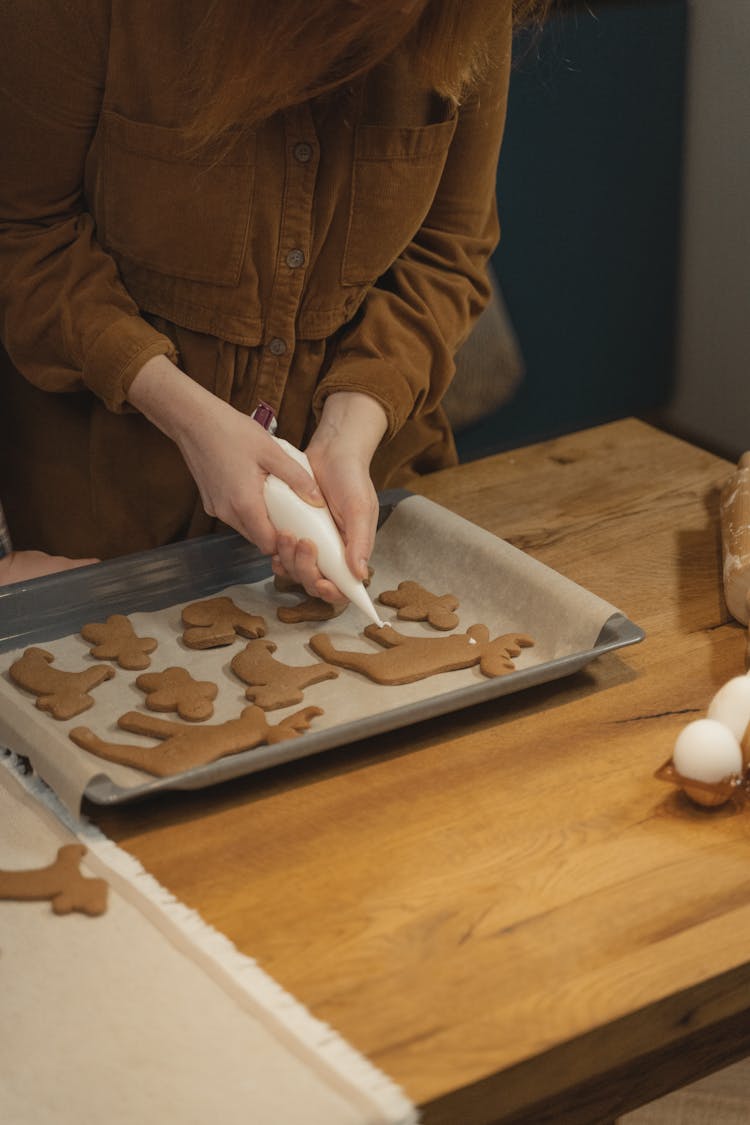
{"x":588,"y":191}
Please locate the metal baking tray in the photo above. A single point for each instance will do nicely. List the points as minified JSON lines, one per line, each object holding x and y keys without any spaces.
{"x":58,"y":605}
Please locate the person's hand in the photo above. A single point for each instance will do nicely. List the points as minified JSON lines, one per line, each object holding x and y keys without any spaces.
{"x":340,"y":453}
{"x":228,"y":454}
{"x":21,"y":566}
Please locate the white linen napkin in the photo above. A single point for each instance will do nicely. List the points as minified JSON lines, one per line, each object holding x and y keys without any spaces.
{"x":146,"y":1013}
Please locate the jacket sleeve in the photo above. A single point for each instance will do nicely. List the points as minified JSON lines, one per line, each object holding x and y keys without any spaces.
{"x":65,"y":318}
{"x":400,"y":347}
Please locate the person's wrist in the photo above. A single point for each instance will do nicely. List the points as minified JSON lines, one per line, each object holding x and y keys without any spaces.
{"x":354,"y":419}
{"x":169,"y":398}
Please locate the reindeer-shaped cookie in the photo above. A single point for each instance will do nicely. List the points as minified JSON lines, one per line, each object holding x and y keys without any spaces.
{"x":62,"y":883}
{"x":184,"y":746}
{"x":272,"y":683}
{"x":63,"y":694}
{"x":414,"y":658}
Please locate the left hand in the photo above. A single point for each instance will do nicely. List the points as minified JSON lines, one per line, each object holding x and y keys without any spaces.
{"x":340,"y":452}
{"x":20,"y":566}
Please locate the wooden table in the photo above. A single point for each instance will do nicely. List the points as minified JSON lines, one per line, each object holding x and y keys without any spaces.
{"x":501,"y":907}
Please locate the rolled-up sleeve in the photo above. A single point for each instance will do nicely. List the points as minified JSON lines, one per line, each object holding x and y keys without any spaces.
{"x":400,"y":347}
{"x":66,"y":320}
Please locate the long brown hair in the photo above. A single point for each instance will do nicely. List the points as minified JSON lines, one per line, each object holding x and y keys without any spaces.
{"x":247,"y":59}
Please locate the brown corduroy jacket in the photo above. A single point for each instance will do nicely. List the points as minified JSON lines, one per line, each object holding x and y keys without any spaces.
{"x":341,"y":245}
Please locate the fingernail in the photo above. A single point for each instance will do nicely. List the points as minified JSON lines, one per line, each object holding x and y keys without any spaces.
{"x":364,"y":570}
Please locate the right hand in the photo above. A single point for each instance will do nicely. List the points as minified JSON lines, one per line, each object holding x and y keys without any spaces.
{"x":228,"y":454}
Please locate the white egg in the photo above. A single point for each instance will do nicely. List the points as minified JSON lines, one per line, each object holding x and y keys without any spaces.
{"x":731,"y":705}
{"x":708,"y":751}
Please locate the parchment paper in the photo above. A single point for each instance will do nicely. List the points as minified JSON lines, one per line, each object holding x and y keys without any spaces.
{"x":495,"y":583}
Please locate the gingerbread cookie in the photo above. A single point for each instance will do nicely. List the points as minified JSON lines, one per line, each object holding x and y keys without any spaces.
{"x":62,"y":883}
{"x":273,"y":684}
{"x":309,"y":609}
{"x":63,"y":694}
{"x":184,"y":747}
{"x":414,"y":603}
{"x":174,"y":689}
{"x":115,"y":639}
{"x":414,"y":658}
{"x":217,"y":621}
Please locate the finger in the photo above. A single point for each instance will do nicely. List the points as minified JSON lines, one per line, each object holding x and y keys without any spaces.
{"x":281,"y":465}
{"x":309,"y":574}
{"x":286,"y":544}
{"x":329,"y":592}
{"x":250,"y":518}
{"x":278,"y":567}
{"x":306,"y":566}
{"x":360,"y":520}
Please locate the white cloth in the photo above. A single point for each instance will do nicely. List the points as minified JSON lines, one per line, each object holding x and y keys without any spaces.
{"x":146,"y":1014}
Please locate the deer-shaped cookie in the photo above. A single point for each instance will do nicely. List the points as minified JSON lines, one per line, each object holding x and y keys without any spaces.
{"x":272,"y":683}
{"x":62,"y":883}
{"x":184,"y":746}
{"x":414,"y":658}
{"x":63,"y":694}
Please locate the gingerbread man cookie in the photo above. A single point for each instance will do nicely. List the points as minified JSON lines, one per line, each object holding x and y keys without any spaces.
{"x":273,"y":684}
{"x":115,"y":639}
{"x":414,"y":603}
{"x":217,"y":621}
{"x":62,"y":883}
{"x":174,"y":689}
{"x":63,"y":694}
{"x":183,"y":746}
{"x":414,"y":658}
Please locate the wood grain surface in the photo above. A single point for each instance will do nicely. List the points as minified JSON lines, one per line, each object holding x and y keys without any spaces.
{"x":501,"y":907}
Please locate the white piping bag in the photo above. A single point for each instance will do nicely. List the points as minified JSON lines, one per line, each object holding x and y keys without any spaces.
{"x":289,"y":512}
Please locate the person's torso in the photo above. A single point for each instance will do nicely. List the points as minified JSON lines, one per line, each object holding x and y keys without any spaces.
{"x":279,"y":236}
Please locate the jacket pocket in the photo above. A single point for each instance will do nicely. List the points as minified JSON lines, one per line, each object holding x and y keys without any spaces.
{"x":170,"y":210}
{"x":395,"y":177}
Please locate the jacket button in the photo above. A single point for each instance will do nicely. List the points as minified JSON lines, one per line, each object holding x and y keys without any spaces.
{"x":302,"y":152}
{"x":295,"y":259}
{"x":277,"y":346}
